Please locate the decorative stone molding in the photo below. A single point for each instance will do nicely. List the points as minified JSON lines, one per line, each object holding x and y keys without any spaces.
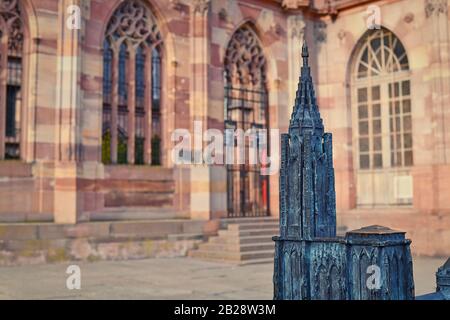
{"x":409,"y":17}
{"x":341,"y":34}
{"x":277,"y":29}
{"x":277,"y":83}
{"x":436,"y":7}
{"x":298,"y":28}
{"x":223,"y":14}
{"x":244,"y":59}
{"x":201,"y":6}
{"x":86,"y":8}
{"x":176,"y":5}
{"x":11,"y":16}
{"x":294,"y":4}
{"x":320,"y":31}
{"x":133,"y":22}
{"x":331,"y":8}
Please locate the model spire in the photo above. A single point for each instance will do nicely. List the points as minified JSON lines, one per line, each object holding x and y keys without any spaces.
{"x":306,"y":112}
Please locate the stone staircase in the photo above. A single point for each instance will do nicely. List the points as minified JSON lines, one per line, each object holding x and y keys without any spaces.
{"x":35,"y":243}
{"x":243,"y":241}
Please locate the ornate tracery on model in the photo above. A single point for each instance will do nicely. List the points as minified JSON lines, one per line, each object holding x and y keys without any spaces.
{"x":11,"y":52}
{"x":246,"y":108}
{"x":132,"y":109}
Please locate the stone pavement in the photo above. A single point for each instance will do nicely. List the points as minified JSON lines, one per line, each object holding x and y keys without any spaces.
{"x":162,"y":278}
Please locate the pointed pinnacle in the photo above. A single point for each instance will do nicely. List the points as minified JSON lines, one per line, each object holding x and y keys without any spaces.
{"x":305,"y":53}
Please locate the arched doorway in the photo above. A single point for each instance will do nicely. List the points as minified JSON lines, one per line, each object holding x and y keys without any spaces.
{"x":246,"y":108}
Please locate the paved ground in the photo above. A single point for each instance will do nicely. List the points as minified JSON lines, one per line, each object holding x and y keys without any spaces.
{"x":177,"y":278}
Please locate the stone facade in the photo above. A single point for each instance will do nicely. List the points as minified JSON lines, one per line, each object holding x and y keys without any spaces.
{"x":60,"y":176}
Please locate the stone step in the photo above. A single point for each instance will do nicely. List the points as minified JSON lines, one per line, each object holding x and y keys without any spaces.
{"x":19,"y":252}
{"x":241,"y":240}
{"x":257,"y":261}
{"x":228,"y":221}
{"x":252,"y":255}
{"x":186,"y":236}
{"x":258,"y":247}
{"x":237,"y":247}
{"x":232,"y":256}
{"x":254,"y":226}
{"x":250,"y":232}
{"x":152,"y":229}
{"x":214,"y":255}
{"x":136,"y":213}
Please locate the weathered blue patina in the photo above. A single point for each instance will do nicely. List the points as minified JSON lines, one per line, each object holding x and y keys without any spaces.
{"x":310,"y":261}
{"x":442,"y":284}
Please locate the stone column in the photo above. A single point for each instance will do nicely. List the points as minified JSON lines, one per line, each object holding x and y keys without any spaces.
{"x":148,"y":99}
{"x":3,"y":82}
{"x":200,"y":177}
{"x":114,"y":107}
{"x":67,"y":201}
{"x":437,"y":13}
{"x":131,"y":105}
{"x":432,"y":166}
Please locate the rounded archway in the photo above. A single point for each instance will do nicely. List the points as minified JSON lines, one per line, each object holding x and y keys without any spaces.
{"x":382,"y":120}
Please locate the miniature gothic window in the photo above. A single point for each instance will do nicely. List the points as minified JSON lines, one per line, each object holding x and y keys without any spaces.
{"x":131,"y":109}
{"x":246,"y":108}
{"x":11,"y":53}
{"x":382,"y":104}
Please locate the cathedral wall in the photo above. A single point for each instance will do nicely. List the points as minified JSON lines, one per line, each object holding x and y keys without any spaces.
{"x":56,"y":165}
{"x":195,"y":40}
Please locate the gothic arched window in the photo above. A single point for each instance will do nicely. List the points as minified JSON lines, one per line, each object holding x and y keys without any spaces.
{"x":382,"y":118}
{"x":246,"y":108}
{"x":132,"y":109}
{"x":11,"y":54}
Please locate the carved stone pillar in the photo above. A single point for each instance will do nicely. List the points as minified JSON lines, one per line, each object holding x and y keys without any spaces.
{"x":131,"y":105}
{"x":431,"y":166}
{"x":67,"y":204}
{"x":148,"y":108}
{"x":436,"y":11}
{"x":200,"y":177}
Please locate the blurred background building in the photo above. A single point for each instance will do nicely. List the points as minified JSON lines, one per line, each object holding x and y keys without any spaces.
{"x":91,"y":91}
